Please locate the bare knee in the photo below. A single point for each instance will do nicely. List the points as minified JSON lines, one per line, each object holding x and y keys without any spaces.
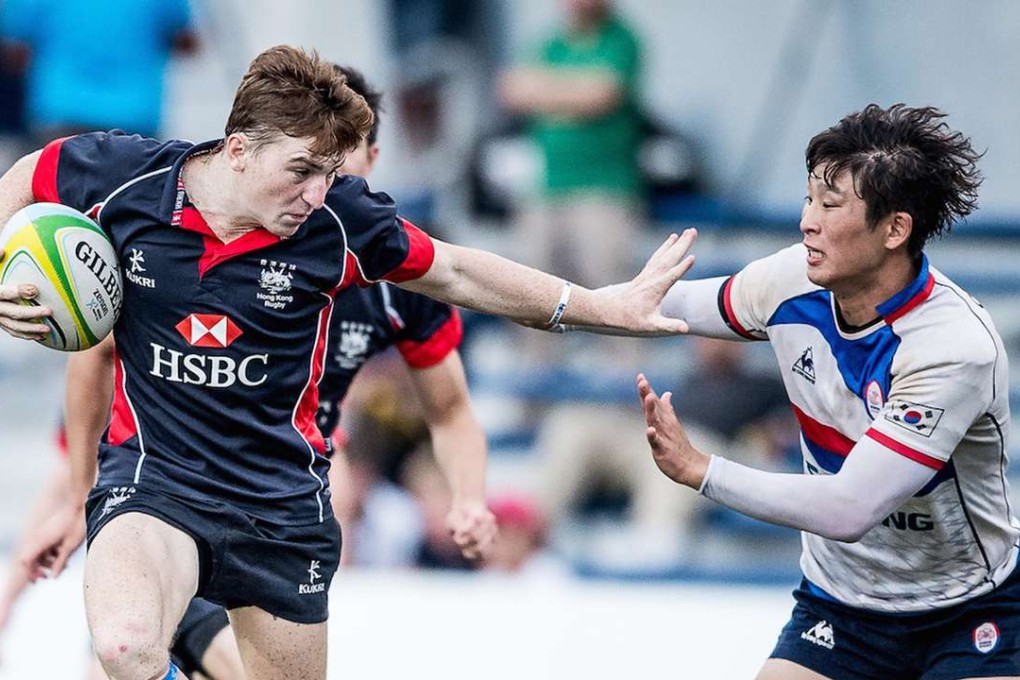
{"x":131,"y":651}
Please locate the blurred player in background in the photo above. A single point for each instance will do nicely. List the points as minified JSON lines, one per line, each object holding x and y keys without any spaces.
{"x":213,"y":463}
{"x":899,"y":382}
{"x":367,"y":321}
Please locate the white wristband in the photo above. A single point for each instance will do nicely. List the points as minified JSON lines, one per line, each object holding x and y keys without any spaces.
{"x":561,"y":306}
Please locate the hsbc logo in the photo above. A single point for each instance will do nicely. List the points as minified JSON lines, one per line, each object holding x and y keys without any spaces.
{"x":208,"y":330}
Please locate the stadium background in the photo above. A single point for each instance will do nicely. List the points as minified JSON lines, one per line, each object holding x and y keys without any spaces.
{"x":741,"y":85}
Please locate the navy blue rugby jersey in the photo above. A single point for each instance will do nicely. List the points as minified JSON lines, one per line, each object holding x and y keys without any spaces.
{"x":220,"y":346}
{"x":367,"y":321}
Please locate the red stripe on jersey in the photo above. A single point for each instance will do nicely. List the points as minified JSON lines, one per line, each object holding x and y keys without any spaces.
{"x":829,"y":438}
{"x":216,"y":251}
{"x":904,"y":450}
{"x":913,"y":302}
{"x":731,"y":317}
{"x":421,"y":252}
{"x":44,"y":179}
{"x":351,"y":272}
{"x":122,"y":420}
{"x":304,"y":414}
{"x":434,"y":349}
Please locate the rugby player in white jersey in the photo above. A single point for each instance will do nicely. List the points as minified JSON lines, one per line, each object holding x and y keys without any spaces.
{"x":900,"y":383}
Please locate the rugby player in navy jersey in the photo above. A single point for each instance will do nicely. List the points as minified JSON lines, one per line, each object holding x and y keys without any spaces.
{"x":900,"y":383}
{"x":425,"y":331}
{"x":212,"y":473}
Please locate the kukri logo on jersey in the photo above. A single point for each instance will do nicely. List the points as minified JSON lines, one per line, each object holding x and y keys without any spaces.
{"x":209,"y":370}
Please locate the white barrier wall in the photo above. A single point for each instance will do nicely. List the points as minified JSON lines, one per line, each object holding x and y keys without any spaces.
{"x":434,"y":626}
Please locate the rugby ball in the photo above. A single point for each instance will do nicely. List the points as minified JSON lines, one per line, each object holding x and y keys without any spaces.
{"x":72,"y":263}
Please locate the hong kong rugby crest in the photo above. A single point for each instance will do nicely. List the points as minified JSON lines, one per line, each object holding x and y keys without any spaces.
{"x":355,"y":338}
{"x":275,"y":283}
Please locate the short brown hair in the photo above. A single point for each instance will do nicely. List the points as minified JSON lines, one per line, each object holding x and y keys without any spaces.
{"x":291,"y":91}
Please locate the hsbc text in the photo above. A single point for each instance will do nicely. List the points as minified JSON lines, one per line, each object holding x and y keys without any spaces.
{"x":207,"y":370}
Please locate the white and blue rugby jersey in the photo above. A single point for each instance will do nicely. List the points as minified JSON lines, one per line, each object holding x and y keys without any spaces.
{"x":928,"y":380}
{"x":220,"y":347}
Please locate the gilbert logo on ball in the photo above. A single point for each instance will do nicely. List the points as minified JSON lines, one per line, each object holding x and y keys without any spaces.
{"x":72,"y":263}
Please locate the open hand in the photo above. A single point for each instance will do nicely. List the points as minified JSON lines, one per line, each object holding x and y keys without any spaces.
{"x":639,"y":301}
{"x":671,"y":449}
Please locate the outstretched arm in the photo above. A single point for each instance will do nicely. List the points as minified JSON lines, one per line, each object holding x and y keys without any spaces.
{"x":695,"y":303}
{"x":872,"y":483}
{"x":459,"y":444}
{"x":494,"y":285}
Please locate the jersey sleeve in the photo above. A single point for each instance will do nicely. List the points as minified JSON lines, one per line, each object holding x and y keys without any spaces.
{"x":931,"y":407}
{"x":381,"y":245}
{"x":429,"y":329}
{"x":748,"y":299}
{"x":82,"y":171}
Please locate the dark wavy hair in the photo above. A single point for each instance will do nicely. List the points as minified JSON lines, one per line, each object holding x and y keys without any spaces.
{"x":902,"y":159}
{"x":299,"y":94}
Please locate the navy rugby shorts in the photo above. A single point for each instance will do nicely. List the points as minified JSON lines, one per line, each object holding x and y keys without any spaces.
{"x":243,"y":561}
{"x":976,"y":639}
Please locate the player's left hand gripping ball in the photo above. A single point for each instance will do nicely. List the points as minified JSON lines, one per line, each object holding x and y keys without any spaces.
{"x":69,"y":258}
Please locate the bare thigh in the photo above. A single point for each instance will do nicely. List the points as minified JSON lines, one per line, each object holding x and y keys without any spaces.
{"x":140,"y":573}
{"x":273,"y":648}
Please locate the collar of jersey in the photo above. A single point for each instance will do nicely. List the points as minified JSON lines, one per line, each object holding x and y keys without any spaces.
{"x":170,"y":188}
{"x":916,"y":292}
{"x":215,"y":251}
{"x":192,"y":219}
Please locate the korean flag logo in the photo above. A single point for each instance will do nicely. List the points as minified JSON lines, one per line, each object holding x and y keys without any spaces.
{"x":918,"y":418}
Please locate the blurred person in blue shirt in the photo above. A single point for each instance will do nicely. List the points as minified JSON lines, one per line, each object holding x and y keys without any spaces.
{"x":96,"y":63}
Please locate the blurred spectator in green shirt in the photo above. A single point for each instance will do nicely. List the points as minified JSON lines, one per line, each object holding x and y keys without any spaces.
{"x":580,"y":99}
